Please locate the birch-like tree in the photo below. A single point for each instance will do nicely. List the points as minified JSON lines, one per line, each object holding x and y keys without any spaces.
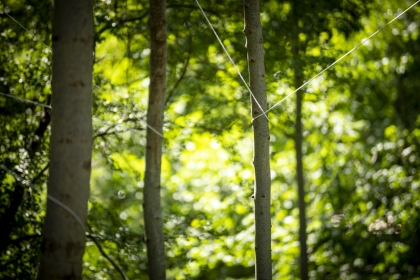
{"x":151,"y":204}
{"x":256,"y":69}
{"x":63,"y":240}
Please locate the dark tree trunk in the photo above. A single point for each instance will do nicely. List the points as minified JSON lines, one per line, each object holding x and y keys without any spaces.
{"x":298,"y":81}
{"x":152,"y":204}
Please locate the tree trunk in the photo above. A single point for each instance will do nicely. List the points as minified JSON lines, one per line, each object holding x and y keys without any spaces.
{"x":151,"y":204}
{"x":298,"y":81}
{"x":63,"y":240}
{"x":255,"y":56}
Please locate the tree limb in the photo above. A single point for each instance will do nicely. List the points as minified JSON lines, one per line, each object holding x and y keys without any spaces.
{"x":101,"y":249}
{"x":110,"y":24}
{"x":191,"y":7}
{"x":182,"y":76}
{"x":40,"y":173}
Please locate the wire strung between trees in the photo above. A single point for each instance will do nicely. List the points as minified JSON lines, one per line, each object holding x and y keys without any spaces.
{"x":68,"y":209}
{"x":335,"y":62}
{"x":239,"y":73}
{"x":28,"y":31}
{"x":50,"y":197}
{"x":25,"y":100}
{"x":47,"y":106}
{"x":231,"y":60}
{"x":71,"y":212}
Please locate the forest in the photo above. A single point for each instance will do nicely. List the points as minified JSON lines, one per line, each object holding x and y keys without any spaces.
{"x":209,"y":139}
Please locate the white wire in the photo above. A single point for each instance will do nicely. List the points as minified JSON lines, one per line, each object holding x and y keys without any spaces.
{"x":68,"y":209}
{"x":28,"y":31}
{"x":50,"y":197}
{"x":25,"y":100}
{"x":335,"y":62}
{"x":154,"y":130}
{"x":40,"y":104}
{"x":231,"y":60}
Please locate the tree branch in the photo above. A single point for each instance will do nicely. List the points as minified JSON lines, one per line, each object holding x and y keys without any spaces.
{"x":191,"y":7}
{"x":108,"y":132}
{"x":182,"y":76}
{"x":111,"y":24}
{"x":40,"y":173}
{"x":116,"y":132}
{"x":44,"y":122}
{"x":101,"y":249}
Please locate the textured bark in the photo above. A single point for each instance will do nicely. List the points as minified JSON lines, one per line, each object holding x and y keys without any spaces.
{"x":298,"y":81}
{"x":151,"y":204}
{"x":256,"y":69}
{"x":63,"y":240}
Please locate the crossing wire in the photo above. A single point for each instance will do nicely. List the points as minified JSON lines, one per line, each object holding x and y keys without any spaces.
{"x":25,"y":100}
{"x":71,"y":212}
{"x":246,"y":85}
{"x":335,"y":62}
{"x":230,"y":59}
{"x":40,"y":104}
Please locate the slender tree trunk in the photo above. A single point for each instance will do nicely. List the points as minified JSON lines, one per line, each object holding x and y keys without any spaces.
{"x":63,"y":240}
{"x":298,"y":81}
{"x":152,"y":205}
{"x":255,"y":56}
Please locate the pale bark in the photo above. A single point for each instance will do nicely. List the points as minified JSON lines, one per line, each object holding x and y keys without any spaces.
{"x":63,"y":239}
{"x":152,"y":204}
{"x":256,"y":69}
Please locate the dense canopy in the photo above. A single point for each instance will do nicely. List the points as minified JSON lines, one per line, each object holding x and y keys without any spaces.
{"x":360,"y":139}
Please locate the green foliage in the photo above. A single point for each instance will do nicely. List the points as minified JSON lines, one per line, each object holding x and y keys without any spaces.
{"x":25,"y":73}
{"x":361,"y":140}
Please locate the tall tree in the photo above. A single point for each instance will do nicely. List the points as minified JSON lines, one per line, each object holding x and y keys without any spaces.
{"x":71,"y":140}
{"x":256,"y":70}
{"x":152,"y":205}
{"x":298,"y":81}
{"x":309,"y":26}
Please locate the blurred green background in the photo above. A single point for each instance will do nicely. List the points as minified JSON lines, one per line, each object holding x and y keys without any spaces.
{"x":361,"y":139}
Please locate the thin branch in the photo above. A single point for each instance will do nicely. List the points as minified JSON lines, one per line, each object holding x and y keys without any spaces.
{"x":44,"y":122}
{"x":191,"y":7}
{"x":182,"y":76}
{"x":103,"y":134}
{"x":40,"y":173}
{"x":110,"y":24}
{"x":108,"y":132}
{"x":101,"y":249}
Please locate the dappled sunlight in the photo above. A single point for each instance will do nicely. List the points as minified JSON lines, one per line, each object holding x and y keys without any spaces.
{"x":360,"y":140}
